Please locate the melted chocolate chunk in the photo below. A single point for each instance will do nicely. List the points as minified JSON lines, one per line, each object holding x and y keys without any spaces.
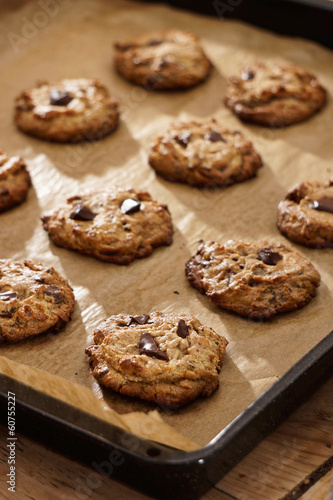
{"x":130,"y":206}
{"x":214,"y":136}
{"x":60,"y":97}
{"x":149,"y":347}
{"x":247,"y":74}
{"x":55,"y":292}
{"x":139,"y":320}
{"x":323,"y":205}
{"x":183,"y":139}
{"x":269,"y":258}
{"x":81,"y":212}
{"x":182,"y":329}
{"x":8,"y":295}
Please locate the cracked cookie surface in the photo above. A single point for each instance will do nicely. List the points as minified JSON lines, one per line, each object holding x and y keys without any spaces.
{"x":163,"y":60}
{"x":115,"y":225}
{"x":275,"y":95}
{"x":167,"y":358}
{"x":67,"y":111}
{"x":204,"y":154}
{"x":306,"y":214}
{"x":257,"y":279}
{"x":14,"y":181}
{"x":34,"y":299}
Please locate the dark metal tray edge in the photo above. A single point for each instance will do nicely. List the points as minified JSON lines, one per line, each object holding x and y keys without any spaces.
{"x":310,"y":19}
{"x":152,"y":468}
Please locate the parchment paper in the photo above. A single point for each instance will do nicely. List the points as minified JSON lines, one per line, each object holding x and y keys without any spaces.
{"x":76,"y":41}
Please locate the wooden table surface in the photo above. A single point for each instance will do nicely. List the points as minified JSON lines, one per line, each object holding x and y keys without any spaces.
{"x":295,"y":461}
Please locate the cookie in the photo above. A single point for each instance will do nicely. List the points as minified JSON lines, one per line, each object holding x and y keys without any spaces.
{"x":33,"y":299}
{"x":257,"y":279}
{"x":67,"y":111}
{"x":275,"y":95}
{"x":203,"y":153}
{"x":306,"y":214}
{"x":115,"y":225}
{"x":14,"y":181}
{"x":163,"y":60}
{"x":167,"y":358}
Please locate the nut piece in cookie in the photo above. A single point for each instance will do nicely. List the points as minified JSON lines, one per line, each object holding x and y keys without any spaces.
{"x":257,"y":279}
{"x":33,"y":299}
{"x":167,"y":358}
{"x":115,"y":225}
{"x":67,"y":111}
{"x":14,"y":181}
{"x":204,"y":153}
{"x":306,"y":214}
{"x":275,"y":95}
{"x":163,"y":60}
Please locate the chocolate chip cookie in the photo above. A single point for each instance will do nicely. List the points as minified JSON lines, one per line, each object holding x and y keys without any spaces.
{"x":163,"y":60}
{"x":115,"y":225}
{"x":14,"y":181}
{"x":33,"y":299}
{"x":67,"y":111}
{"x":306,"y":214}
{"x":167,"y":358}
{"x":204,"y":153}
{"x":257,"y":279}
{"x":275,"y":95}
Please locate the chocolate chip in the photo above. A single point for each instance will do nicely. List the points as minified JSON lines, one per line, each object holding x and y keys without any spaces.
{"x":176,"y":292}
{"x":214,"y":136}
{"x":323,"y":205}
{"x":183,"y":139}
{"x":149,"y":347}
{"x":130,"y":206}
{"x":4,"y":191}
{"x":139,"y":320}
{"x":182,"y":329}
{"x":81,"y":212}
{"x":8,"y":295}
{"x":269,"y":258}
{"x":60,"y":97}
{"x":55,"y":292}
{"x":247,"y":74}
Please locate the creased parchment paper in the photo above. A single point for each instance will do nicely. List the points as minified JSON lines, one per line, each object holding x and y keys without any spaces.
{"x":77,"y":42}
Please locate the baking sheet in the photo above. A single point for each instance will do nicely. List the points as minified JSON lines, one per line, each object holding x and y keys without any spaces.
{"x":76,"y":41}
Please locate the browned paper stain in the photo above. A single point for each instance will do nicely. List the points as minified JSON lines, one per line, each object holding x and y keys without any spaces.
{"x":77,"y":42}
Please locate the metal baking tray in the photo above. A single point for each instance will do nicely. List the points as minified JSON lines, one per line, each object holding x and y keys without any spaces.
{"x":156,"y":469}
{"x":312,"y":19}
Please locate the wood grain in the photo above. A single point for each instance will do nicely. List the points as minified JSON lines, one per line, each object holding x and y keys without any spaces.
{"x":323,"y":489}
{"x":288,"y":455}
